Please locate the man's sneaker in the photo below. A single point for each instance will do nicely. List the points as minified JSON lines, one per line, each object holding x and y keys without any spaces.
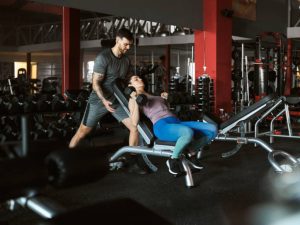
{"x":135,"y":168}
{"x":134,"y":165}
{"x":195,"y":163}
{"x":118,"y":165}
{"x":174,"y":166}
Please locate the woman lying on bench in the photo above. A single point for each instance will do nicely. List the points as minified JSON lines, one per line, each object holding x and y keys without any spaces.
{"x":167,"y":127}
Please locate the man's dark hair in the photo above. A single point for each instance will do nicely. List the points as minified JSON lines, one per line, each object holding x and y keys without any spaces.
{"x":125,"y":33}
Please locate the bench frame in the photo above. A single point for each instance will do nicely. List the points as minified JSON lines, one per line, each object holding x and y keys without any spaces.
{"x":265,"y":106}
{"x":165,"y":149}
{"x":284,"y":103}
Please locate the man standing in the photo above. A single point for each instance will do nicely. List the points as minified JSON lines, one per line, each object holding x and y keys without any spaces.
{"x":109,"y":65}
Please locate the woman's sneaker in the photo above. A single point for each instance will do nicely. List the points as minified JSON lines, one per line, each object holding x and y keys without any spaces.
{"x":174,"y":166}
{"x":195,"y":162}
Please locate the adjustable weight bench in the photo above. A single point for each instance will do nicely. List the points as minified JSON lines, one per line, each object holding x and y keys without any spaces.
{"x":151,"y":145}
{"x":283,"y":105}
{"x":264,"y":106}
{"x":164,"y":149}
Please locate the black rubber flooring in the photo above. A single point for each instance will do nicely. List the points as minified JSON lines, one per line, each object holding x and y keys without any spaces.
{"x":226,"y":191}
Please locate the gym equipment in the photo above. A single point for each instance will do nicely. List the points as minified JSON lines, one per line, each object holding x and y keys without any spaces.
{"x":141,"y":99}
{"x":76,"y":98}
{"x":21,"y":182}
{"x":50,"y":85}
{"x":262,"y":60}
{"x":26,"y":107}
{"x":261,"y":70}
{"x":165,"y":149}
{"x":22,"y":179}
{"x":58,"y":103}
{"x":266,"y":104}
{"x":66,"y":168}
{"x":43,"y":102}
{"x":206,"y":94}
{"x":241,"y":92}
{"x":283,"y":103}
{"x":153,"y":147}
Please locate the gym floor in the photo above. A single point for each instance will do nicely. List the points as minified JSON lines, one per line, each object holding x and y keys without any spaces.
{"x":226,"y":191}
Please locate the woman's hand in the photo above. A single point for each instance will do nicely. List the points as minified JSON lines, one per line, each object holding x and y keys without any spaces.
{"x":133,"y":95}
{"x":164,"y":95}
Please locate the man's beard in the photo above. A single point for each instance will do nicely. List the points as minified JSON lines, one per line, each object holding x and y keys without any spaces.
{"x":122,"y":51}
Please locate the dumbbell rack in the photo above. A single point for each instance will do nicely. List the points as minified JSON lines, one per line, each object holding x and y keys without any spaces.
{"x":189,"y":106}
{"x":18,"y":117}
{"x":205,"y":90}
{"x":25,"y":132}
{"x":184,"y":105}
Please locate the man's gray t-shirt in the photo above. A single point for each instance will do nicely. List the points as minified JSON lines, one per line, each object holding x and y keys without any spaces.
{"x":111,"y":67}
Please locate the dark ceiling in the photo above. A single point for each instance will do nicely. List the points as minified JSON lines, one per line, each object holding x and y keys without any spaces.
{"x":23,"y":12}
{"x":14,"y":13}
{"x":20,"y":12}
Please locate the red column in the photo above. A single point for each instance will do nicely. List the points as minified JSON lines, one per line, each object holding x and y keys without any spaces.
{"x":213,"y":46}
{"x":289,"y":74}
{"x":71,"y":78}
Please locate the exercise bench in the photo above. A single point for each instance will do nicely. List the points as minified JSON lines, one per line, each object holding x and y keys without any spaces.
{"x":151,"y":146}
{"x":227,"y":128}
{"x":283,"y":104}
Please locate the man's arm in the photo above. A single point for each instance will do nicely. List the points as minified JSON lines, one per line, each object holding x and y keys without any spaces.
{"x":96,"y":85}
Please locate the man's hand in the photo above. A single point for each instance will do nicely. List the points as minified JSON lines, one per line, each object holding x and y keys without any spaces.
{"x":107,"y":104}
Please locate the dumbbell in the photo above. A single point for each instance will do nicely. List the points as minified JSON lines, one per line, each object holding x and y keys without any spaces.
{"x":141,"y":99}
{"x":28,"y":104}
{"x":82,"y":99}
{"x":58,"y":103}
{"x":76,"y":99}
{"x":10,"y":133}
{"x":43,"y":102}
{"x":40,"y":132}
{"x":58,"y":131}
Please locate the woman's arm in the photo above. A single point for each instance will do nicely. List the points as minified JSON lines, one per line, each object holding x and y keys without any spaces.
{"x":134,"y":109}
{"x":165,"y":96}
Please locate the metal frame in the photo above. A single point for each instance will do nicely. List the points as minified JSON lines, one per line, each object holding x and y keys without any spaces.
{"x":270,"y":133}
{"x":166,"y":150}
{"x":231,"y":126}
{"x":224,"y":136}
{"x":93,"y":29}
{"x":161,"y":150}
{"x":271,"y":152}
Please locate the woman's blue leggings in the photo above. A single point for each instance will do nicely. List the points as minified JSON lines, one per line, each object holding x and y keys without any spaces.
{"x":172,"y":129}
